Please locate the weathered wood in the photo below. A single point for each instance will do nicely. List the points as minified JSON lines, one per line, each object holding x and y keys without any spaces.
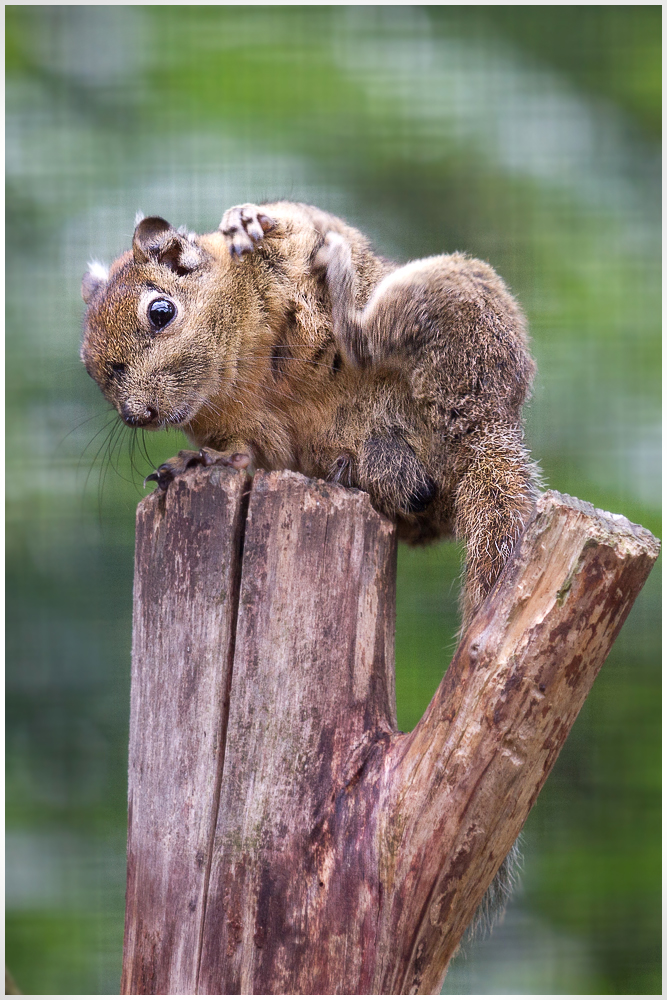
{"x":347,"y":857}
{"x":313,"y":690}
{"x":464,"y":781}
{"x":187,"y":571}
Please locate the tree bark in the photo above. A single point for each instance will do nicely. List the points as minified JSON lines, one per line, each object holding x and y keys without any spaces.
{"x":283,"y":836}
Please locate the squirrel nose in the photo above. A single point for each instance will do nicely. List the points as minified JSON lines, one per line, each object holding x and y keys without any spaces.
{"x":141,"y":419}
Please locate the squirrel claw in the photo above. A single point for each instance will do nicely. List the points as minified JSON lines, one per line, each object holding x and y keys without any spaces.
{"x":162,"y":476}
{"x":239,"y":246}
{"x":167,"y":472}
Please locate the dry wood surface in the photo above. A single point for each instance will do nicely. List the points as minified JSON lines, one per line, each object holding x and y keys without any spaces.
{"x":284,"y":837}
{"x":187,"y":568}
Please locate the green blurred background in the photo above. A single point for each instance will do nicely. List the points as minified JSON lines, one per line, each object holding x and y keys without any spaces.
{"x":527,"y":136}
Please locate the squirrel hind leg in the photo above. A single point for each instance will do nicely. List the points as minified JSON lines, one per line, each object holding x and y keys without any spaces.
{"x":493,"y":502}
{"x":398,"y":483}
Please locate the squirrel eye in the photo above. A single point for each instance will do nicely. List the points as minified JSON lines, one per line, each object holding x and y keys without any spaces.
{"x":161,"y":312}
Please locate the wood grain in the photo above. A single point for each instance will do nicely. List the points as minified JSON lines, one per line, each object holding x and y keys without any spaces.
{"x":465,"y":780}
{"x":187,"y":569}
{"x":290,"y":909}
{"x":325,"y":852}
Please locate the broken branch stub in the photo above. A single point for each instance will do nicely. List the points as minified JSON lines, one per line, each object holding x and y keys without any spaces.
{"x":465,"y":780}
{"x":323,"y":851}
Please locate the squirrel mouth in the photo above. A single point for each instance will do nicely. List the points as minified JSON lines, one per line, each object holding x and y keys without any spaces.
{"x":139,"y":418}
{"x":150,"y":419}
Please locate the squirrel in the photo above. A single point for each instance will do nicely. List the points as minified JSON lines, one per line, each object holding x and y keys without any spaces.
{"x":282,"y":341}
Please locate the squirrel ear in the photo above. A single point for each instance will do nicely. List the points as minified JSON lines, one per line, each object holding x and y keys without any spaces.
{"x":96,"y":277}
{"x":155,"y":239}
{"x":151,"y":236}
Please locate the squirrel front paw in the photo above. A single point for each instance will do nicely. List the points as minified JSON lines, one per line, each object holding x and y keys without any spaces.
{"x":167,"y":472}
{"x":243,"y":226}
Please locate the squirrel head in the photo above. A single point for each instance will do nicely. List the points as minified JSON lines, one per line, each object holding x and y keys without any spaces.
{"x":149,"y":337}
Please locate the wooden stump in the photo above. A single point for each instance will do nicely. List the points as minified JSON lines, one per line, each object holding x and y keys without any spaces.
{"x":283,"y":836}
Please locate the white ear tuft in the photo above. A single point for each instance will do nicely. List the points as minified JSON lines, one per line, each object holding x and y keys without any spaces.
{"x":139,"y":217}
{"x":190,"y":257}
{"x":96,"y":277}
{"x":98,"y":270}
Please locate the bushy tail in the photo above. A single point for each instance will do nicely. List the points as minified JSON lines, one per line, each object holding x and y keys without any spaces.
{"x":494,"y":500}
{"x":493,"y":503}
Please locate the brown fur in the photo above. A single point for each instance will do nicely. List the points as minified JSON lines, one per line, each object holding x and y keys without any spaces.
{"x":296,"y":346}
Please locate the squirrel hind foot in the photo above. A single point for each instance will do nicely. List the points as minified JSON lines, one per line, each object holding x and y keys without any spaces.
{"x":243,"y":226}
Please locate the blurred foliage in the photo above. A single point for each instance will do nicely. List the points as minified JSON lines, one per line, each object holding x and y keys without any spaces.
{"x":527,"y":136}
{"x":609,"y":52}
